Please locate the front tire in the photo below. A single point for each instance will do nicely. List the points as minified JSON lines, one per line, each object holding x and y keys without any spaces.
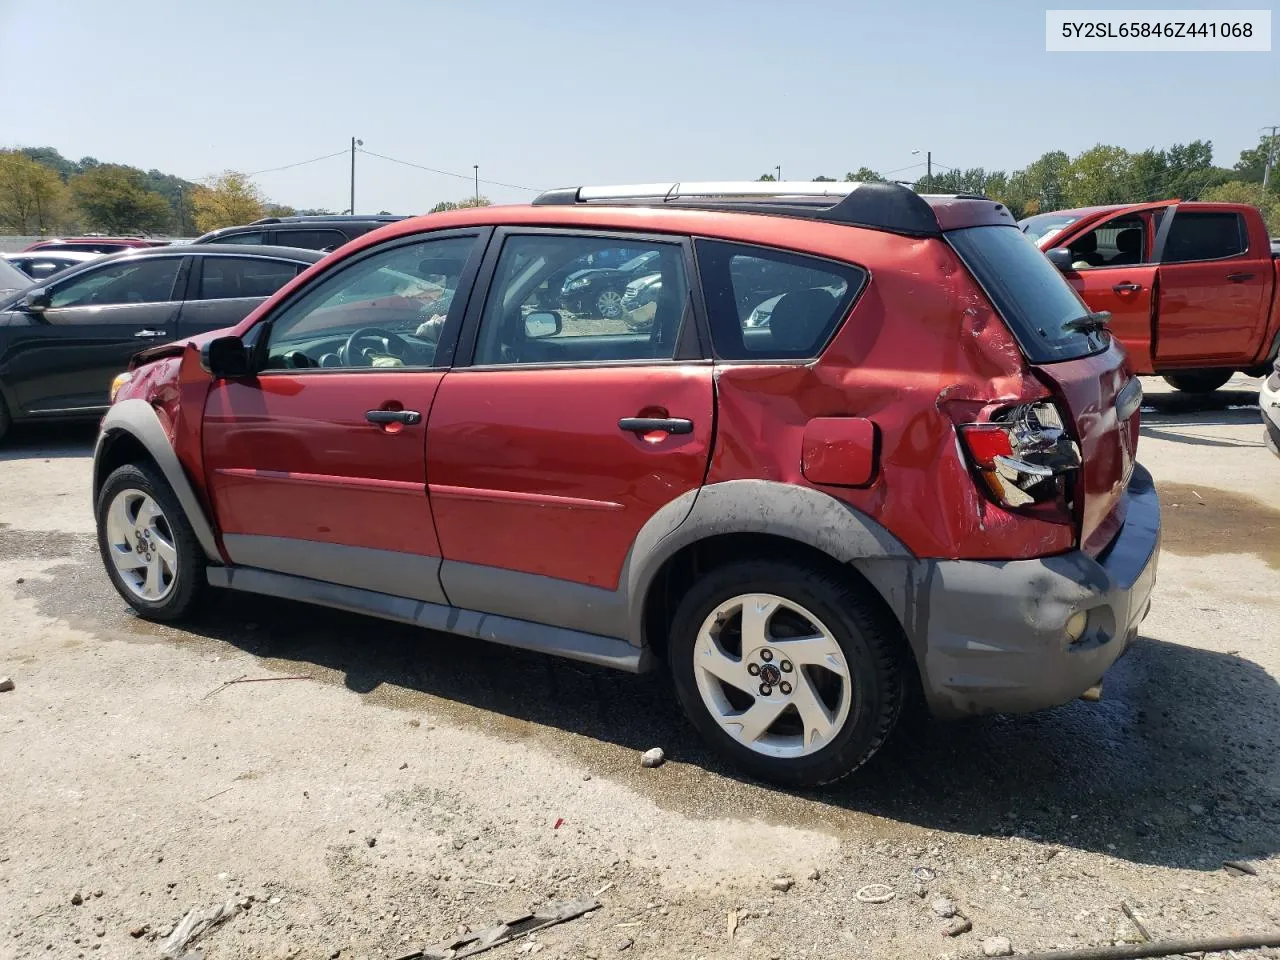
{"x":147,"y":545}
{"x":1198,"y":381}
{"x":608,"y":304}
{"x":787,"y":670}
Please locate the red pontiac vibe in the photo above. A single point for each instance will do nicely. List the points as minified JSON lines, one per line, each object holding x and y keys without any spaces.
{"x":815,"y":446}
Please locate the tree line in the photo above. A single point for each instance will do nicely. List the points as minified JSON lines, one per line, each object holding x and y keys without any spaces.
{"x":45,"y":193}
{"x":1108,"y":174}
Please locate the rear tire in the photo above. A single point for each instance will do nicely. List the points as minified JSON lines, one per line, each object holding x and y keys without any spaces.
{"x":1198,"y":381}
{"x":148,"y":547}
{"x":733,"y":638}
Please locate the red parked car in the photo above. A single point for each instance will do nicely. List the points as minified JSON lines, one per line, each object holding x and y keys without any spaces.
{"x":1193,"y":289}
{"x":96,"y":244}
{"x":919,"y":474}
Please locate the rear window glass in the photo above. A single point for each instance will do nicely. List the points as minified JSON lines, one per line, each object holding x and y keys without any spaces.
{"x":1204,"y":236}
{"x":246,"y":238}
{"x":769,"y":305}
{"x":311,"y":239}
{"x":1028,"y":291}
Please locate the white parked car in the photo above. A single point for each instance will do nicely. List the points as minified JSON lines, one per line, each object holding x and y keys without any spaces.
{"x":39,"y":264}
{"x":1269,"y":404}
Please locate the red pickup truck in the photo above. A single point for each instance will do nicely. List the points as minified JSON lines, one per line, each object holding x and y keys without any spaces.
{"x":1191,"y":287}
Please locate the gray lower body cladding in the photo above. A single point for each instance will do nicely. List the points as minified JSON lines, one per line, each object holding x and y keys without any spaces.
{"x":991,"y":637}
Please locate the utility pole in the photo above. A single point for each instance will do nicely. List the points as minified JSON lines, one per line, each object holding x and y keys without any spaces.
{"x":928,"y":168}
{"x":476,"y":168}
{"x":354,"y":143}
{"x":778,"y":170}
{"x":1271,"y":155}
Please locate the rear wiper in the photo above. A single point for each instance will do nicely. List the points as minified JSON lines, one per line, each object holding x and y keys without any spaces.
{"x":1089,"y":323}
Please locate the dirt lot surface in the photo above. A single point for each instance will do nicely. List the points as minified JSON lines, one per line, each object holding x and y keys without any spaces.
{"x":411,"y":783}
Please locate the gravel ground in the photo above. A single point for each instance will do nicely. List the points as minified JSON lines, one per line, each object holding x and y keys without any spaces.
{"x":409,"y":785}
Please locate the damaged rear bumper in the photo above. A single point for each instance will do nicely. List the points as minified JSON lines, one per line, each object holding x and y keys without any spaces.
{"x":992,"y":636}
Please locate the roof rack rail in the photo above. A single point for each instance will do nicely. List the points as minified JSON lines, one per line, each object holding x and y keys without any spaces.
{"x":880,"y":206}
{"x":295,"y":218}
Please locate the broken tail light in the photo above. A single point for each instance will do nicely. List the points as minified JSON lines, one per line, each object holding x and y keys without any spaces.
{"x":1025,"y":459}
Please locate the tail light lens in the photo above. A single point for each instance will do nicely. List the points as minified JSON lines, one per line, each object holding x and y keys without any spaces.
{"x":1025,"y":459}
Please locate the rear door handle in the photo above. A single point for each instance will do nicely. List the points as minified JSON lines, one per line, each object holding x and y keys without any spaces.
{"x":393,"y":416}
{"x":1127,"y":287}
{"x":654,"y":424}
{"x":1239,"y":277}
{"x":149,"y":333}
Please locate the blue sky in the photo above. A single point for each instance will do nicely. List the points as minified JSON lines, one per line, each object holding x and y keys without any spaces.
{"x":560,"y":92}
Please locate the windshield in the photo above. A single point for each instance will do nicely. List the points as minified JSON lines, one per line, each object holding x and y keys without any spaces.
{"x":1028,"y":291}
{"x":1045,"y":225}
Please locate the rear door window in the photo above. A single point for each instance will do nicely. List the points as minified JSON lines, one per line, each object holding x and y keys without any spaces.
{"x":311,"y":239}
{"x":225,"y":278}
{"x":251,"y":238}
{"x":1028,"y":291}
{"x":765,"y":304}
{"x":1205,"y":236}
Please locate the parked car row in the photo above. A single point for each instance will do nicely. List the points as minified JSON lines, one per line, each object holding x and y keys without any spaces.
{"x":806,"y":518}
{"x":62,"y":342}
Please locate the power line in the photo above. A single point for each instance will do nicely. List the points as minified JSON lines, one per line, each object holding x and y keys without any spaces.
{"x":448,"y":173}
{"x":289,"y":166}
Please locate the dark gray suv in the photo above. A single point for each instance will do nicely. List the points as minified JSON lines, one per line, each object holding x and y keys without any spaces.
{"x":62,"y":342}
{"x":311,"y":233}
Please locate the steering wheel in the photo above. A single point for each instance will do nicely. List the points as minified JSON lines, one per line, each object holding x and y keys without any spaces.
{"x":385,"y":339}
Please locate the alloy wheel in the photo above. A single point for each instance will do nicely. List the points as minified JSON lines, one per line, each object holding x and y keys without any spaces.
{"x":609,"y":304}
{"x":141,"y":545}
{"x":772,"y":675}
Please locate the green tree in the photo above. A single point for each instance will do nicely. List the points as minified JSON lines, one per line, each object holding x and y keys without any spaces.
{"x":1242,"y":191}
{"x":766,"y":178}
{"x":443,"y":206}
{"x":115,"y":199}
{"x":864,"y":175}
{"x":824,"y":179}
{"x":33,"y":198}
{"x":1041,"y":185}
{"x":1253,"y":161}
{"x":473,"y":202}
{"x":226,"y":200}
{"x":1098,"y":175}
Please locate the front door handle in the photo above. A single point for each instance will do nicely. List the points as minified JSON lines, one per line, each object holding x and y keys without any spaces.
{"x":393,"y":416}
{"x":1127,"y":287}
{"x":149,"y":333}
{"x":655,"y":424}
{"x":1239,"y":277}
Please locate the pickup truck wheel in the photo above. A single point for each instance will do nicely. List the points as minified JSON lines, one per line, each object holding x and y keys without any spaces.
{"x":787,"y":670}
{"x":148,"y":547}
{"x":1198,"y":381}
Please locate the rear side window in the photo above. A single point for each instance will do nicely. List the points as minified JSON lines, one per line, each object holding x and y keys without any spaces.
{"x":1028,"y":291}
{"x":225,"y":278}
{"x":1204,"y":236}
{"x":769,"y":305}
{"x":311,"y":239}
{"x":249,"y":238}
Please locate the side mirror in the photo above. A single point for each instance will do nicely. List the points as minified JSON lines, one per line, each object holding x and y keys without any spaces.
{"x":1060,"y":257}
{"x":538,"y":326}
{"x":37,"y":300}
{"x":226,"y":358}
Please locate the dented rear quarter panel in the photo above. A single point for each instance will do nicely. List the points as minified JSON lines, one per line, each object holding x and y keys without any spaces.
{"x":920,"y":349}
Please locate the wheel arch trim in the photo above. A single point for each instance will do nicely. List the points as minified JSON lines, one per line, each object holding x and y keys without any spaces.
{"x":137,"y":418}
{"x":803,"y":514}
